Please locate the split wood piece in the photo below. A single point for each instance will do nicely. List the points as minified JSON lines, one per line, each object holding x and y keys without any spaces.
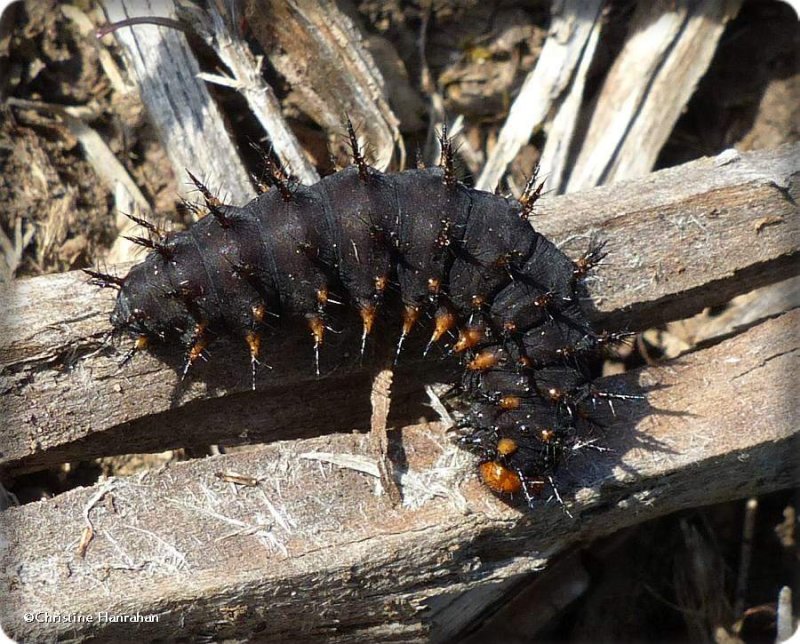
{"x":319,"y":51}
{"x":560,"y":135}
{"x":223,"y":560}
{"x":218,"y":28}
{"x":650,"y":83}
{"x":380,"y":402}
{"x":680,"y":240}
{"x":572,"y":26}
{"x":688,"y":237}
{"x":12,"y":249}
{"x":741,"y":313}
{"x":190,"y":126}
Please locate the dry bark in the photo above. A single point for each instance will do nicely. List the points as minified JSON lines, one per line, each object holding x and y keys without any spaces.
{"x":574,"y":24}
{"x":188,"y":121}
{"x":218,"y":27}
{"x":210,"y":558}
{"x":651,"y":81}
{"x":321,"y":54}
{"x":556,"y":154}
{"x":679,"y":240}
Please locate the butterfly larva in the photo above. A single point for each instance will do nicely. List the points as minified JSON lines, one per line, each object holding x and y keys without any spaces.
{"x":504,"y":296}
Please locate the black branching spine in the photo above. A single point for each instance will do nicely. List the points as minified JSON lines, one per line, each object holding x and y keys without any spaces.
{"x":501,"y":295}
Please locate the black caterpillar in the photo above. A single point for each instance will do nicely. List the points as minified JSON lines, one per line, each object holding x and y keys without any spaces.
{"x":469,"y":258}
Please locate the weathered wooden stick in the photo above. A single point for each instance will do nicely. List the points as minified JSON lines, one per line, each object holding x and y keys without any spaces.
{"x":679,"y":240}
{"x":212,"y":558}
{"x":667,"y":52}
{"x":572,"y":26}
{"x":686,"y":238}
{"x":180,"y":106}
{"x":561,"y":133}
{"x":220,"y":33}
{"x":321,"y":54}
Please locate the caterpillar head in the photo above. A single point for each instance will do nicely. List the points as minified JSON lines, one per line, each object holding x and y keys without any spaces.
{"x":146,"y":307}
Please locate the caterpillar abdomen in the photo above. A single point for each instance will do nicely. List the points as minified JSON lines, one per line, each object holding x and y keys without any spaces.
{"x":500,"y":294}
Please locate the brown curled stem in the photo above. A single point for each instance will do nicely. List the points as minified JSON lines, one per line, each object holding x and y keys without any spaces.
{"x":142,"y":20}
